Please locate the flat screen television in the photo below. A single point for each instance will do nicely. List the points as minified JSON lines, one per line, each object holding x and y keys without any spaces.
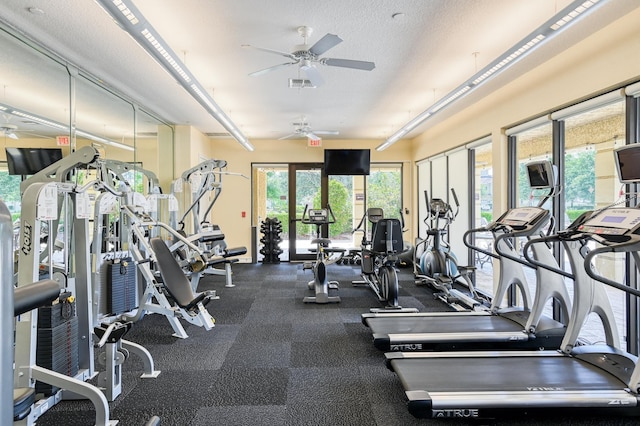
{"x":29,"y":161}
{"x":347,"y":161}
{"x":628,"y":163}
{"x":541,"y":174}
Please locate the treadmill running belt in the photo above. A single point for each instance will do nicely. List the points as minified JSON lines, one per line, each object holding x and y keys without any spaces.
{"x":449,"y":324}
{"x":497,"y":383}
{"x":492,"y":374}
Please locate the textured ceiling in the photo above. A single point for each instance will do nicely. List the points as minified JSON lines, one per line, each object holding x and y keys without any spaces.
{"x":420,"y":55}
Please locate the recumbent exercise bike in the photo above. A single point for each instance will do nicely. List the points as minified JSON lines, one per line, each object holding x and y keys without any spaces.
{"x":379,"y":256}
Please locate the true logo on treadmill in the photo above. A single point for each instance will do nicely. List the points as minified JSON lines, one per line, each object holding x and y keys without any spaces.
{"x":457,"y":413}
{"x":407,"y":347}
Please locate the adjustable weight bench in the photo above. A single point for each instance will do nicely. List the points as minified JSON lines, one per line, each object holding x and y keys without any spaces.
{"x":175,"y":281}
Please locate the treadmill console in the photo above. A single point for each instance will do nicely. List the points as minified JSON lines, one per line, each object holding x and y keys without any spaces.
{"x":522,"y":217}
{"x":613,"y":221}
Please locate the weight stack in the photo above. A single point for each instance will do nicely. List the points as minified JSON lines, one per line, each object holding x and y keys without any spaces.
{"x":57,"y":343}
{"x":121,"y":286}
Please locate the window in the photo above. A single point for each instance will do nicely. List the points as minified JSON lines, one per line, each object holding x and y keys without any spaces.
{"x":591,"y":183}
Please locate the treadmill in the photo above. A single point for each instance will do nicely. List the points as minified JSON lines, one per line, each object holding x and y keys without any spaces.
{"x":602,"y":378}
{"x":497,"y":328}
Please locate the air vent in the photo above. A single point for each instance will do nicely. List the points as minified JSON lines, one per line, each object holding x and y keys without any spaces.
{"x":300,"y":83}
{"x":218,"y":135}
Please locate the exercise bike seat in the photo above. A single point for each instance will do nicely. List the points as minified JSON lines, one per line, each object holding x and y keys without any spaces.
{"x":324,"y":242}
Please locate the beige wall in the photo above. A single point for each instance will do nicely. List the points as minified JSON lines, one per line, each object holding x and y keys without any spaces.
{"x":604,"y":60}
{"x":236,"y":194}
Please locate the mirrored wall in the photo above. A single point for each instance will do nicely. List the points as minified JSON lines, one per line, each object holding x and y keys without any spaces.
{"x":46,"y":102}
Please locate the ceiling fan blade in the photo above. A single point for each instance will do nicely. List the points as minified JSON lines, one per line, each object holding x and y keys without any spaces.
{"x":313,"y":75}
{"x":324,"y":44}
{"x":264,"y":49}
{"x":273,"y":68}
{"x":312,"y":136}
{"x":349,"y":63}
{"x":326,"y":132}
{"x":292,"y":135}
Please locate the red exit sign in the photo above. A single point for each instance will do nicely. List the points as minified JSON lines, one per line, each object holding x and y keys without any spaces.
{"x":315,"y":142}
{"x":63,"y":141}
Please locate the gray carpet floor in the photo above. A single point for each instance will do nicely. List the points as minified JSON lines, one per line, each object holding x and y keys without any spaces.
{"x":274,"y":360}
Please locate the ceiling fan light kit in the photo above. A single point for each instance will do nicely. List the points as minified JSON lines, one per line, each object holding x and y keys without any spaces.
{"x":300,"y":83}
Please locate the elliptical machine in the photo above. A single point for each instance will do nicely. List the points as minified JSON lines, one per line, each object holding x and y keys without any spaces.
{"x":437,"y":266}
{"x":320,"y":283}
{"x":379,"y":254}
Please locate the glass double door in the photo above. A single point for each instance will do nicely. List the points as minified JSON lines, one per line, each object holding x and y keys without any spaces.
{"x":308,"y":188}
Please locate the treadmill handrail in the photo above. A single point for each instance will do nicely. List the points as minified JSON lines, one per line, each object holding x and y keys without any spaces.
{"x":478,"y":249}
{"x":509,"y":256}
{"x":629,"y":246}
{"x":546,"y":239}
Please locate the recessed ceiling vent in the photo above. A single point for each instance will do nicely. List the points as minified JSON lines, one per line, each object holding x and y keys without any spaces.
{"x":300,"y":83}
{"x":218,"y":135}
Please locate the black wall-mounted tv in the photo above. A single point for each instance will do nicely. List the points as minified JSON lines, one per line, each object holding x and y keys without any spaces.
{"x":347,"y":161}
{"x":628,"y":163}
{"x":29,"y":161}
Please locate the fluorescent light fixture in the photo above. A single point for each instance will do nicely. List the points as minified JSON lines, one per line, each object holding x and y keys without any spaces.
{"x":133,"y":22}
{"x":40,"y":120}
{"x":508,"y":58}
{"x":450,"y":98}
{"x":126,"y":11}
{"x":59,"y":126}
{"x":105,"y":141}
{"x":166,"y":55}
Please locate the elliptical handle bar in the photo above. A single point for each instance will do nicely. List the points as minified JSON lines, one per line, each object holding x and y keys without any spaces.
{"x":426,"y":199}
{"x":333,"y":218}
{"x":630,"y":246}
{"x":455,"y":199}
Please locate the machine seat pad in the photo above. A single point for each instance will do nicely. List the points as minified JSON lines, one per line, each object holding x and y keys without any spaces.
{"x":322,"y":241}
{"x":335,"y":250}
{"x":173,"y":277}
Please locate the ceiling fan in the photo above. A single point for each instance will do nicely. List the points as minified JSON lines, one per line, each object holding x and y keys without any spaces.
{"x":9,"y":130}
{"x":306,"y":57}
{"x":302,"y":129}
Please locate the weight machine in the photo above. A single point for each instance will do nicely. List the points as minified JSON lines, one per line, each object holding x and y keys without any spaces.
{"x":206,"y":178}
{"x":46,"y":195}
